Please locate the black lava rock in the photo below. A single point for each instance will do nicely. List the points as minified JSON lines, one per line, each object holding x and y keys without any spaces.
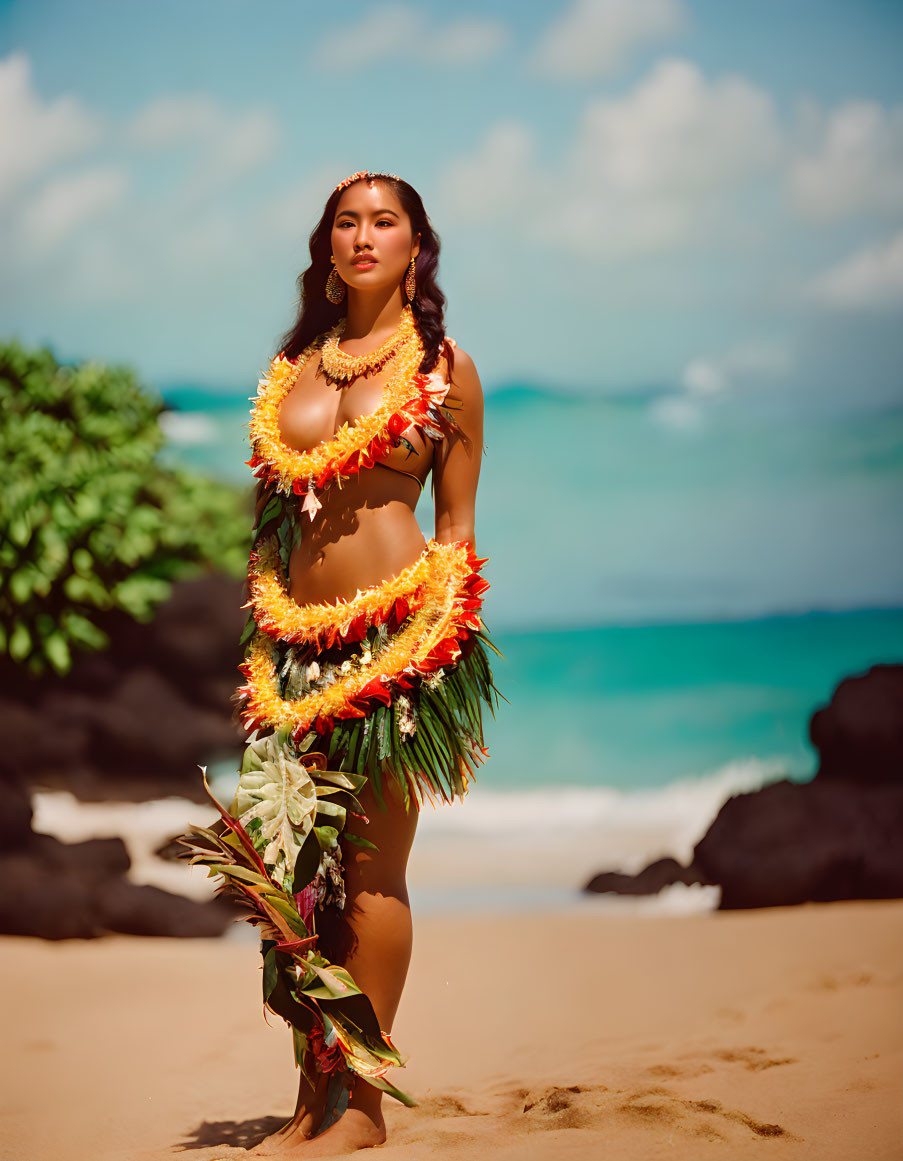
{"x":839,"y":836}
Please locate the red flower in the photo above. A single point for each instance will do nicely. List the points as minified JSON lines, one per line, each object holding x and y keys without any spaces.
{"x":357,"y":628}
{"x":328,"y":1059}
{"x":376,"y":690}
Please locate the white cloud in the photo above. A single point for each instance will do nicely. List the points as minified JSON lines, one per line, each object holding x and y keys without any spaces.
{"x":120,"y":243}
{"x":742,"y":365}
{"x":248,"y":141}
{"x":679,"y":132}
{"x":704,"y":377}
{"x":870,"y":280}
{"x":187,"y":234}
{"x":678,"y":413}
{"x":401,"y":30}
{"x":851,"y":161}
{"x":96,"y":273}
{"x":469,"y":41}
{"x":646,"y":172}
{"x":289,"y":215}
{"x":35,"y":135}
{"x":387,"y":30}
{"x":710,"y":379}
{"x":228,"y":145}
{"x":593,"y":37}
{"x":169,"y":121}
{"x":496,"y":177}
{"x":67,"y":202}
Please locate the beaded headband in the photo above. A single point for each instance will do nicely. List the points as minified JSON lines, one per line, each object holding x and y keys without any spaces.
{"x":361,"y":174}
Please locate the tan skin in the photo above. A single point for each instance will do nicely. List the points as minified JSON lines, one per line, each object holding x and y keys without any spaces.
{"x":364,"y":533}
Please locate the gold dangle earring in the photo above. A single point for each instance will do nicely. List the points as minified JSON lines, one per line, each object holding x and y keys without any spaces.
{"x":410,"y":283}
{"x":335,"y":287}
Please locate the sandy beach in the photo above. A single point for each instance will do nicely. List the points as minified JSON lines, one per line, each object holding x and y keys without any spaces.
{"x":738,"y":1035}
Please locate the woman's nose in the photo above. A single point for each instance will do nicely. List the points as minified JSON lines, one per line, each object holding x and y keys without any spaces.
{"x":362,"y":239}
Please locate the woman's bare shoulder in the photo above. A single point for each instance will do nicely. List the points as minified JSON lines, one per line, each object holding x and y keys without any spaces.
{"x":465,"y":377}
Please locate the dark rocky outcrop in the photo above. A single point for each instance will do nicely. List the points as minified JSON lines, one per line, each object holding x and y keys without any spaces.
{"x":859,"y":734}
{"x":135,"y":721}
{"x":130,"y":723}
{"x":57,"y":890}
{"x":839,"y":836}
{"x":799,"y":842}
{"x":649,"y":881}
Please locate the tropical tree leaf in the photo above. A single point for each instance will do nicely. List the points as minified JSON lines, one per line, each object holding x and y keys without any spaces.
{"x":283,"y":796}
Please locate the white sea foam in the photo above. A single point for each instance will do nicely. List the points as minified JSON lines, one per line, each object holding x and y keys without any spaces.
{"x":676,"y":899}
{"x":538,"y":849}
{"x":143,"y":826}
{"x":502,"y":851}
{"x":629,"y":828}
{"x":188,"y":428}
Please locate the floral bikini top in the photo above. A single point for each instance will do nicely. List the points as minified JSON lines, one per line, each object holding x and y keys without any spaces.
{"x":410,"y":400}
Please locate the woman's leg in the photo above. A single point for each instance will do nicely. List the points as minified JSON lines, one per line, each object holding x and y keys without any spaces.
{"x":309,"y":1106}
{"x":373,"y":938}
{"x":378,"y":951}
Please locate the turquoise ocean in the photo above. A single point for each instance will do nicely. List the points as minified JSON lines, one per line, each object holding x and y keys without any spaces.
{"x":673,"y":600}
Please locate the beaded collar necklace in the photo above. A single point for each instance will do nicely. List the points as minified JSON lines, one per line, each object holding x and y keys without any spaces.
{"x":340,"y":367}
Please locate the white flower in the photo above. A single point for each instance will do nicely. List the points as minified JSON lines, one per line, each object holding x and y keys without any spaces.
{"x":406,"y":722}
{"x":345,"y":667}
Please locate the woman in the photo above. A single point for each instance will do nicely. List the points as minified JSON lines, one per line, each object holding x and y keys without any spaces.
{"x":366,"y":665}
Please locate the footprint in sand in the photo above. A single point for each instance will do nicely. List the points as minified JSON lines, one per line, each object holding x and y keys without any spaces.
{"x":564,"y":1107}
{"x":658,"y":1108}
{"x":834,"y":983}
{"x":447,"y":1105}
{"x":555,"y":1107}
{"x":755,"y":1059}
{"x":443,"y":1117}
{"x":674,"y":1071}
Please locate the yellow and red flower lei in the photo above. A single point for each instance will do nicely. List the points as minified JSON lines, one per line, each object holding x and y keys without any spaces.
{"x":430,"y":609}
{"x":407,"y":400}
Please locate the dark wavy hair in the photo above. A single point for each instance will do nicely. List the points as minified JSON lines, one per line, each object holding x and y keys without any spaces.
{"x":317,"y":314}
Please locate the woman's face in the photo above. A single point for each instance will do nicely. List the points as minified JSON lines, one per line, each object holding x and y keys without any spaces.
{"x":370,"y":223}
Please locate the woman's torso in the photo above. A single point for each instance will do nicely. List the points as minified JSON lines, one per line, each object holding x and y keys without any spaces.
{"x":366,"y":530}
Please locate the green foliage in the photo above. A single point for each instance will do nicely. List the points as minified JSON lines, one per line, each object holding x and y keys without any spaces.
{"x":90,"y":522}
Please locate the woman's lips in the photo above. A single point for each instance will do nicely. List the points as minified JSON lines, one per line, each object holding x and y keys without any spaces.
{"x":364,"y":265}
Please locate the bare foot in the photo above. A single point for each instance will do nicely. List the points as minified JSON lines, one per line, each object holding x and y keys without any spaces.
{"x":302,"y":1127}
{"x":354,"y":1130}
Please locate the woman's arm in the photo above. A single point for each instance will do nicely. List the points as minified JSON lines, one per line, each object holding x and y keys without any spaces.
{"x":456,"y":470}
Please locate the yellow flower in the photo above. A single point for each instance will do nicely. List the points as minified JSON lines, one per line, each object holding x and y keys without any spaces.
{"x":403,"y":396}
{"x":430,"y":637}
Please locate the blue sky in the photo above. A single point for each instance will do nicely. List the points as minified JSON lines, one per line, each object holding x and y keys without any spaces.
{"x":699,"y":198}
